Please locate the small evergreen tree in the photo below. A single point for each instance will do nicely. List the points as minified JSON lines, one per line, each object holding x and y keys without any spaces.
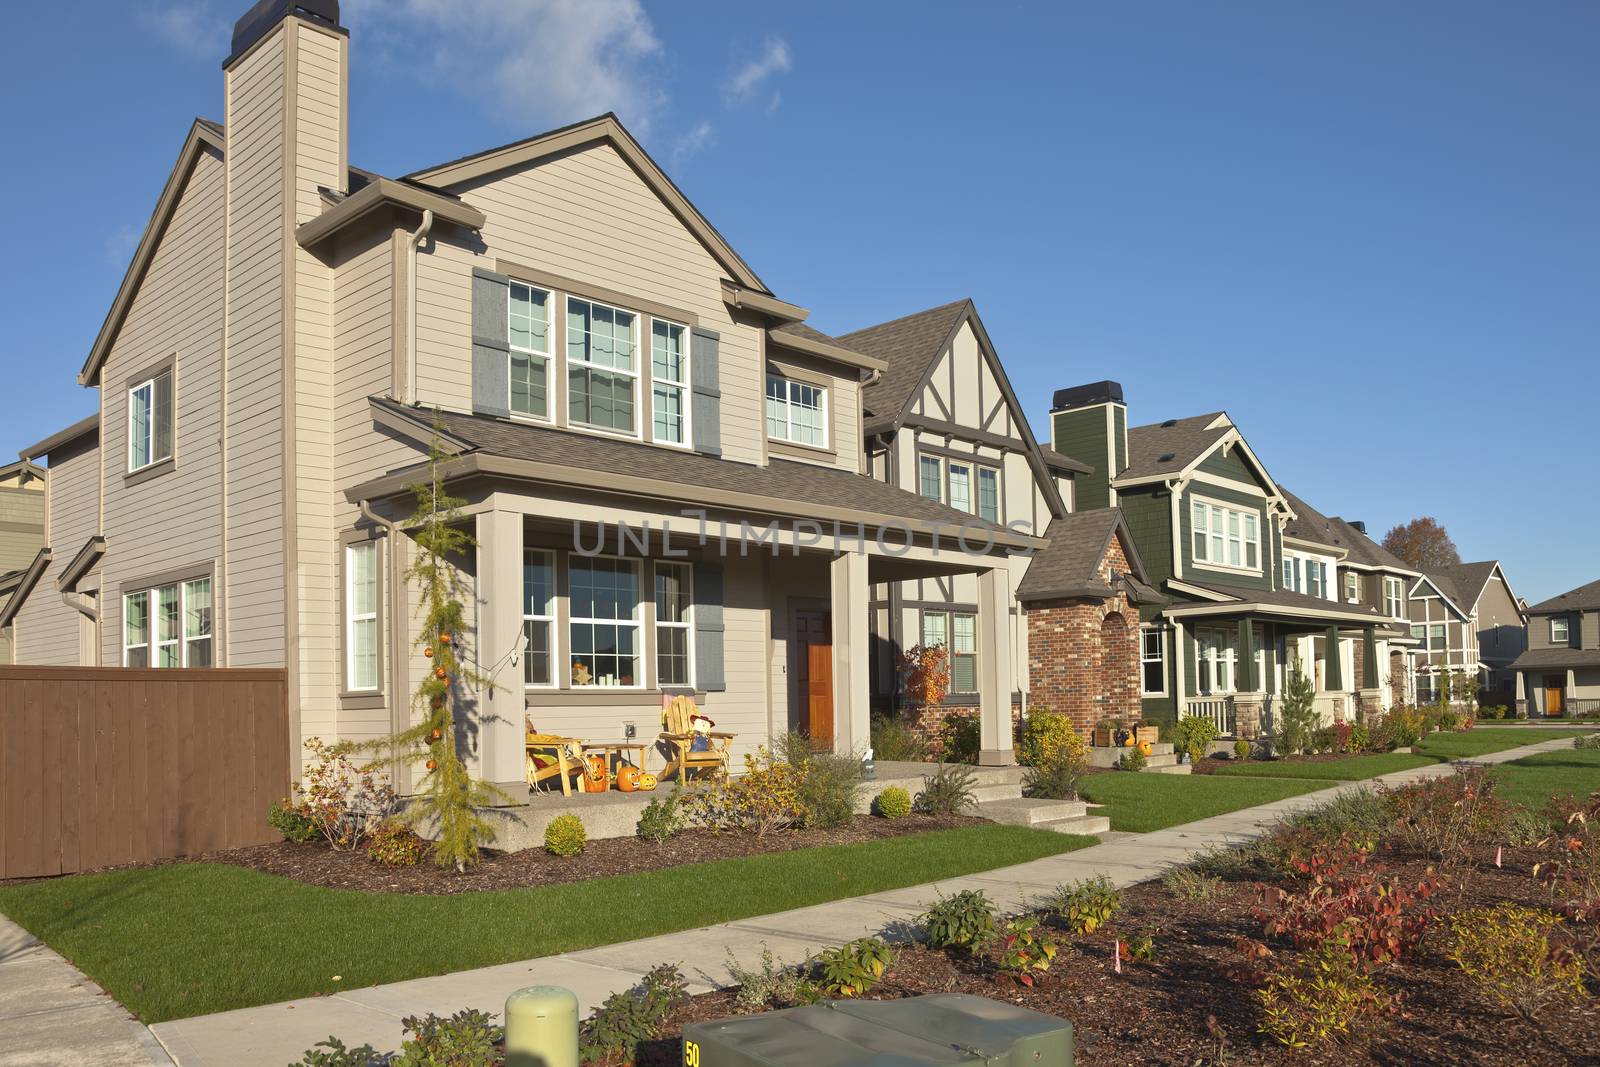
{"x":1299,"y":712}
{"x":451,"y":799}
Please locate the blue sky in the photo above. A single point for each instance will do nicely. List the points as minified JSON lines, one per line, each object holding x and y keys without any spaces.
{"x":1369,"y":231}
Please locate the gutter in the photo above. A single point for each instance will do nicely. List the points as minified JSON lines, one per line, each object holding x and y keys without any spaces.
{"x":386,"y":191}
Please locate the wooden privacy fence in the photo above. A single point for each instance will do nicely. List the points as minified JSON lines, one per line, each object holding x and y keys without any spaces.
{"x":101,"y":766}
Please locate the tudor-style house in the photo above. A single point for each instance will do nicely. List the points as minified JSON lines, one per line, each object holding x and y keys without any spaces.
{"x":1559,"y":674}
{"x":1208,"y":524}
{"x":942,"y":421}
{"x":662,"y":464}
{"x":1467,"y":622}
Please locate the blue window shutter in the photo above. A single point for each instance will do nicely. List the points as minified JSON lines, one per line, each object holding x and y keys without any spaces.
{"x":709,"y":671}
{"x":704,"y":385}
{"x":491,"y":342}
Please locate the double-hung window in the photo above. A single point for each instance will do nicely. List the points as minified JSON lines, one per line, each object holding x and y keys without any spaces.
{"x":1216,"y":656}
{"x":797,"y":412}
{"x":957,"y":631}
{"x":960,"y":486}
{"x":1352,"y":586}
{"x":361,"y":617}
{"x":674,"y":605}
{"x":602,"y":346}
{"x":1558,"y":632}
{"x":168,"y":625}
{"x":1436,"y":638}
{"x":538,"y":616}
{"x":605,"y":623}
{"x":930,"y":477}
{"x":669,"y":382}
{"x":1153,"y":661}
{"x":1225,"y":536}
{"x":529,"y":312}
{"x":1394,"y":598}
{"x":150,"y":422}
{"x":988,"y":494}
{"x":1316,"y":578}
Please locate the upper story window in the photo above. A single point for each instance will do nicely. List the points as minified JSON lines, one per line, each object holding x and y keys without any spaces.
{"x":1558,"y":632}
{"x":1316,"y":579}
{"x":150,"y":421}
{"x":965,"y":486}
{"x":930,"y":477}
{"x":1394,"y":598}
{"x":602,"y":376}
{"x":960,"y":486}
{"x":605,"y":622}
{"x":529,"y":311}
{"x":539,"y":616}
{"x":797,"y":412}
{"x":1225,"y":536}
{"x":1352,"y":586}
{"x":988,"y":494}
{"x":669,"y":382}
{"x":168,"y":626}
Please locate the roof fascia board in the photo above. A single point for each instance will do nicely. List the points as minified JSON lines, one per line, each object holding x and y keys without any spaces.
{"x":30,"y":578}
{"x":25,"y":465}
{"x":1052,"y":494}
{"x":822,"y":350}
{"x":417,"y":428}
{"x":1178,"y":585}
{"x":1248,"y":607}
{"x":78,"y":429}
{"x":377,"y":194}
{"x":200,"y":137}
{"x":1380,"y":567}
{"x":1328,"y":550}
{"x":605,"y":128}
{"x":79,"y":565}
{"x":738,"y":296}
{"x":1440,"y":593}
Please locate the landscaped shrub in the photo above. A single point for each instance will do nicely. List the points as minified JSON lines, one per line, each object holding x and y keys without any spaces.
{"x":771,"y":985}
{"x":663,"y":817}
{"x":1318,"y":996}
{"x":1587,"y":742}
{"x":830,"y":789}
{"x":1376,"y":917}
{"x":334,"y":1053}
{"x":1193,"y":736}
{"x":1140,"y":947}
{"x":1508,"y":952}
{"x":1343,"y":735}
{"x":1241,"y":749}
{"x":1054,"y":780}
{"x":1186,"y":883}
{"x":1570,"y":860}
{"x":565,"y":836}
{"x":947,"y":791}
{"x":625,"y":1020}
{"x":1493,"y":711}
{"x":959,"y":737}
{"x":1444,"y":817}
{"x":1381,"y":735}
{"x":893,"y":803}
{"x":964,"y":920}
{"x":1049,"y":737}
{"x":1353,"y":818}
{"x":344,"y":801}
{"x":766,"y":797}
{"x":894,"y":740}
{"x":1024,"y":950}
{"x":395,"y":844}
{"x":1360,"y":738}
{"x":853,"y":969}
{"x":1407,"y":726}
{"x":291,"y":822}
{"x":1132,"y":759}
{"x":1323,"y":740}
{"x":1086,"y":905}
{"x":465,"y":1039}
{"x":1297,"y":712}
{"x":1525,"y":827}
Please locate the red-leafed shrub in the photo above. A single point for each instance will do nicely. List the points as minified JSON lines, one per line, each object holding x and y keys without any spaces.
{"x":1444,"y":817}
{"x":1376,"y":915}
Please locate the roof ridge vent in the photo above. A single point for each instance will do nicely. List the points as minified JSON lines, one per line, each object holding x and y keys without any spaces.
{"x":1167,"y":457}
{"x":1170,"y":423}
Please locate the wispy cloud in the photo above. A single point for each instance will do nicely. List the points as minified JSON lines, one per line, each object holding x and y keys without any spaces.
{"x":120,"y":245}
{"x":190,"y":26}
{"x":749,"y":81}
{"x":700,"y":136}
{"x":528,"y":61}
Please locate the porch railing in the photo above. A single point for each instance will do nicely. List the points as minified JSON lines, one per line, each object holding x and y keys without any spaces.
{"x":1571,"y":709}
{"x":1218,"y":709}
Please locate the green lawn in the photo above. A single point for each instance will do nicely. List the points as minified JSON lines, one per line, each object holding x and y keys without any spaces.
{"x":1532,"y":780}
{"x":1145,"y":802}
{"x":1435,"y":748}
{"x":194,"y":938}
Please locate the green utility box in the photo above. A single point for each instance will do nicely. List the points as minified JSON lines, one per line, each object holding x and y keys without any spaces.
{"x":944,"y":1030}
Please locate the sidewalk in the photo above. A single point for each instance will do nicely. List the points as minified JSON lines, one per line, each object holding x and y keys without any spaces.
{"x":277,"y":1034}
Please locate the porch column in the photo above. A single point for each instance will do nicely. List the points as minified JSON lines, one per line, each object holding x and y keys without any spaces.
{"x":1369,"y":657}
{"x":1334,"y":672}
{"x":1247,"y":681}
{"x":1522,"y":694}
{"x":500,"y":710}
{"x":994,"y":676}
{"x":852,"y":655}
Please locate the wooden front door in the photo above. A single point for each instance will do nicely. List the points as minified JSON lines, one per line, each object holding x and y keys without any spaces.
{"x":1555,"y":694}
{"x":813,"y":640}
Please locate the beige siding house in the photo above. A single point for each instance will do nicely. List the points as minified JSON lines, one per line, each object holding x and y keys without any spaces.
{"x":22,"y":522}
{"x":662,"y":463}
{"x":1559,"y":673}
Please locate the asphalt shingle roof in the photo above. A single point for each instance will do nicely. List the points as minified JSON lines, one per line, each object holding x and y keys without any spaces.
{"x":1070,"y":565}
{"x":1556,"y":657}
{"x":1168,"y":447}
{"x":1283,"y":598}
{"x":800,"y":329}
{"x":1583,"y":598}
{"x":909,"y":345}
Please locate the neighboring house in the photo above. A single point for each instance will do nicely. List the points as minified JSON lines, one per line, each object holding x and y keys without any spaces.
{"x":1487,"y":627}
{"x":942,"y":421}
{"x":293,"y":335}
{"x":1559,"y":674}
{"x":22,"y":519}
{"x":1208,"y":524}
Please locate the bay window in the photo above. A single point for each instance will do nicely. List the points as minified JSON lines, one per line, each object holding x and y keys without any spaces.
{"x":669,"y":377}
{"x":605,"y":624}
{"x":529,"y":313}
{"x":602,"y":343}
{"x":796,"y":412}
{"x":168,"y":625}
{"x":150,"y":422}
{"x":538,"y":616}
{"x":1225,"y":536}
{"x":674,"y":604}
{"x":361,"y":617}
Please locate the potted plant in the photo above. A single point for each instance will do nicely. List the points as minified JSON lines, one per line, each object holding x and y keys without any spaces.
{"x":1102,"y":733}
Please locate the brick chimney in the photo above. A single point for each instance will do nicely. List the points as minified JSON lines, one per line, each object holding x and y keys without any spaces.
{"x":1090,"y":423}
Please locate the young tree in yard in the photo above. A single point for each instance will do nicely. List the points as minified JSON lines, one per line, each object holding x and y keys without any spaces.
{"x":1422,"y":543}
{"x":1298,"y":717}
{"x":450,"y":799}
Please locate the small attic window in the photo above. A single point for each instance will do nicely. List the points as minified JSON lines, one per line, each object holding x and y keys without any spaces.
{"x":1167,"y":457}
{"x":1170,"y":422}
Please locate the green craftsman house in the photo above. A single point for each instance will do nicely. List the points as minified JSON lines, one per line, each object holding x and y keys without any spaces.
{"x":1209,"y":524}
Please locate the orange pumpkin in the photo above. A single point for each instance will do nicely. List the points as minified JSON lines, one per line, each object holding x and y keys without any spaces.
{"x":444,"y":638}
{"x":1144,"y":748}
{"x":628,"y":778}
{"x":428,"y":652}
{"x":433,"y":765}
{"x":440,"y":672}
{"x":646,"y":781}
{"x":599,"y":779}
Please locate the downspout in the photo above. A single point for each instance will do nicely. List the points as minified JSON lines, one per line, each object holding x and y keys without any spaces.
{"x":82,"y":604}
{"x":414,"y":243}
{"x":398,"y":646}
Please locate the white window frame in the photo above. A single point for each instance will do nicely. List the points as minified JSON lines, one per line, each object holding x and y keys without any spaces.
{"x":352,"y":617}
{"x":1145,"y":659}
{"x":209,"y":638}
{"x":682,"y":387}
{"x":149,"y":437}
{"x":951,"y":467}
{"x":1565,"y":637}
{"x":128,"y":647}
{"x":1228,"y":529}
{"x":1214,"y":648}
{"x":687,"y":625}
{"x":551,"y":619}
{"x":993,"y":475}
{"x":1352,"y":587}
{"x":181,"y":640}
{"x":1394,"y":597}
{"x":551,"y":383}
{"x":823,"y":411}
{"x":938,"y":467}
{"x":635,"y":375}
{"x":641,"y":654}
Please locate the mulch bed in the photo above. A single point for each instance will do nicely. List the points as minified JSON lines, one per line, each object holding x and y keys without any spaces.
{"x":317,"y":864}
{"x":1156,"y":1013}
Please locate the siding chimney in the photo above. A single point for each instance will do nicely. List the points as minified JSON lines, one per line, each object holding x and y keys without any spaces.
{"x":285,"y":104}
{"x":1090,"y":423}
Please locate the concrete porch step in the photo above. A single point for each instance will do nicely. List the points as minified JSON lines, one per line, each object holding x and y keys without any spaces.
{"x":1088,"y":825}
{"x":1030,"y":811}
{"x":1107,"y":756}
{"x":1170,"y":768}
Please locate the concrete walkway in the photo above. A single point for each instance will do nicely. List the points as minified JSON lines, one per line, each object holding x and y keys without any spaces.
{"x":52,"y":1016}
{"x":277,"y":1034}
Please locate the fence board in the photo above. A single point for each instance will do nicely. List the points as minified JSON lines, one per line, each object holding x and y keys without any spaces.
{"x":108,"y":765}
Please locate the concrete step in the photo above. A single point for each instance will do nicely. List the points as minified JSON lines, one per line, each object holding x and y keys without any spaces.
{"x":1088,"y":825}
{"x":1107,"y":756}
{"x":1029,"y":811}
{"x":1169,"y":768}
{"x":1161,"y":759}
{"x":997,"y":791}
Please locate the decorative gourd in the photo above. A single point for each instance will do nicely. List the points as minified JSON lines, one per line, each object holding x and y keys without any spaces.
{"x":444,"y":638}
{"x":428,"y":652}
{"x":440,"y":672}
{"x":646,"y":781}
{"x":628,"y":778}
{"x":433,"y":765}
{"x":1144,"y":748}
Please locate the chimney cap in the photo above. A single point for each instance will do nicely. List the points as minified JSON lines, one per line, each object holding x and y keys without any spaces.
{"x":260,"y":19}
{"x":1359,"y":524}
{"x":1082,"y":396}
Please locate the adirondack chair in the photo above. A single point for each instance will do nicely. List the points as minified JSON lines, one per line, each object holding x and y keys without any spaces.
{"x":551,"y":756}
{"x":679,"y":736}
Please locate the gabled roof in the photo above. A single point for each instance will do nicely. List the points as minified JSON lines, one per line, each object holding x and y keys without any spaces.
{"x":1070,"y":565}
{"x":608,"y":128}
{"x":910,"y":345}
{"x":89,"y":424}
{"x":1311,"y":525}
{"x":803,"y":338}
{"x":202,"y":136}
{"x":1365,"y":552}
{"x":25,"y":466}
{"x":1465,"y":582}
{"x":30,"y":578}
{"x":1171,"y":448}
{"x":1444,"y":588}
{"x":1583,"y":598}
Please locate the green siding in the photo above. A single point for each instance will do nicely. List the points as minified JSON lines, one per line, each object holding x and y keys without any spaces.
{"x":1232,"y":466}
{"x":1159,"y":710}
{"x":1081,"y":434}
{"x":1121,"y":439}
{"x":1148,"y":513}
{"x":1263,"y":580}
